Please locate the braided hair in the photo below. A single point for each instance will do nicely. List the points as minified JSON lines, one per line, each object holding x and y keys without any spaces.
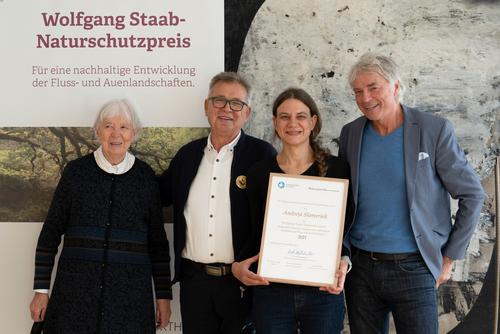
{"x":320,"y":153}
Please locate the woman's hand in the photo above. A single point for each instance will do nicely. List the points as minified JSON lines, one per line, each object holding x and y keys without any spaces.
{"x":163,"y":313}
{"x":241,"y":270}
{"x":38,"y":306}
{"x":341,"y":273}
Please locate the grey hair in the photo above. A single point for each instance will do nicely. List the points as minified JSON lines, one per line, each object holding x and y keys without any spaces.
{"x":383,"y":65}
{"x":230,"y":77}
{"x":122,"y":108}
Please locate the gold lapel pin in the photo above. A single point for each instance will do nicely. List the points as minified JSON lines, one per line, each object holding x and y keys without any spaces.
{"x":241,"y":182}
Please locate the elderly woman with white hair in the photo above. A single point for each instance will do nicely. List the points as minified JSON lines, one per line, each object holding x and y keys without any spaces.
{"x":108,"y":209}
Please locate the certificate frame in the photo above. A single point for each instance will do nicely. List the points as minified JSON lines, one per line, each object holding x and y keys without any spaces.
{"x":303,"y":229}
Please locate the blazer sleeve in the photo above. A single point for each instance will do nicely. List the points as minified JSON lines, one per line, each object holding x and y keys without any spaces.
{"x":462,"y":183}
{"x":342,"y":144}
{"x":340,"y":169}
{"x":349,"y":218}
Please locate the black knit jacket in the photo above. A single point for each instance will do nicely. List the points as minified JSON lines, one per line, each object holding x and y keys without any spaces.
{"x":114,"y":243}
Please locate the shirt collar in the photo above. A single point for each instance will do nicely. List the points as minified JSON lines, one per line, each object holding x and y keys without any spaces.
{"x":229,"y":146}
{"x":118,"y":169}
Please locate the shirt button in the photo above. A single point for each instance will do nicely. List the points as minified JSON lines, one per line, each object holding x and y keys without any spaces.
{"x":110,"y":202}
{"x":100,"y":286}
{"x":103,"y":265}
{"x":211,"y":254}
{"x":105,"y":245}
{"x":211,"y":216}
{"x":215,"y":178}
{"x":212,"y":196}
{"x":217,"y":160}
{"x":210,"y":235}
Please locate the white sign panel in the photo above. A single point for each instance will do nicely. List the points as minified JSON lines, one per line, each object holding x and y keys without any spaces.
{"x":62,"y":60}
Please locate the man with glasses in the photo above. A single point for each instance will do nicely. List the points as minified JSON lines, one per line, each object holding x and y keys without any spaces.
{"x":206,"y":183}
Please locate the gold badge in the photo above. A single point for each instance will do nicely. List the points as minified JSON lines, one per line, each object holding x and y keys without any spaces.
{"x":241,"y":182}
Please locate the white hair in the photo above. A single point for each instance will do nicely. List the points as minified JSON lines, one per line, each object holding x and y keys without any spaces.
{"x":122,"y":108}
{"x":383,"y":65}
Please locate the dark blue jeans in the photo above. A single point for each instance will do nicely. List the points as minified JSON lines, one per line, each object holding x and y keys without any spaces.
{"x":282,"y":308}
{"x":404,"y":287}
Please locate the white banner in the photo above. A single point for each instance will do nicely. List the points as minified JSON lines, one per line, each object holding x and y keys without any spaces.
{"x":62,"y":60}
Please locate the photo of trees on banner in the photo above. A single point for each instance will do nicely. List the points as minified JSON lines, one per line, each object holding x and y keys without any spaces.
{"x":32,"y":160}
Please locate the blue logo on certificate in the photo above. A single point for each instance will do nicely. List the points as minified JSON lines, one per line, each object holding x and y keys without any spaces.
{"x":281,"y":184}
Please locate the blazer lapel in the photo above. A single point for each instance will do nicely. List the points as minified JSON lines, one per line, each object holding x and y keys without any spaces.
{"x":411,"y":148}
{"x":358,"y":129}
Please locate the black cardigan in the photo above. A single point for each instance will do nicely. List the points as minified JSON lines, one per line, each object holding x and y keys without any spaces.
{"x":176,"y":181}
{"x":114,"y":242}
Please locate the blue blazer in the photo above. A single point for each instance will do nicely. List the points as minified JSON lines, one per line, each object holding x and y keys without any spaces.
{"x":435,"y":168}
{"x":176,"y":181}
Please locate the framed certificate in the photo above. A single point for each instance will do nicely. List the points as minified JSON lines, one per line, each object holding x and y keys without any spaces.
{"x":303,"y":228}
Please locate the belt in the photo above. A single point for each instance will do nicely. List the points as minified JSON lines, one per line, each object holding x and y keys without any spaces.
{"x":386,"y":256}
{"x":212,"y":269}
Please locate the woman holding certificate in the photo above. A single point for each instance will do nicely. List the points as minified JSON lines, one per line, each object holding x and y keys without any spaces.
{"x":279,"y":307}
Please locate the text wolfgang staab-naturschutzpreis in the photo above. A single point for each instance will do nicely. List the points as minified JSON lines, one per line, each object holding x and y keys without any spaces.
{"x":80,"y":19}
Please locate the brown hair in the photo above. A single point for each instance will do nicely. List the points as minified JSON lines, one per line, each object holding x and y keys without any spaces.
{"x":320,"y":153}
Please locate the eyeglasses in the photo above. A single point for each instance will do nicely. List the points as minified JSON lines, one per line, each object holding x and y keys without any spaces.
{"x":234,"y":105}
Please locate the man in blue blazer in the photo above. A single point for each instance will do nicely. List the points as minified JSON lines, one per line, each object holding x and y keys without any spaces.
{"x":405,"y":165}
{"x":206,"y":183}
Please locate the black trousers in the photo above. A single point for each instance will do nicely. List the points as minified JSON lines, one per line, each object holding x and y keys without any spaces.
{"x":211,"y":305}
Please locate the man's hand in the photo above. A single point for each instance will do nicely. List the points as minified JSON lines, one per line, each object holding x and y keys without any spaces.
{"x":341,"y":273}
{"x":241,"y":270}
{"x":38,"y":306}
{"x":445,"y":271}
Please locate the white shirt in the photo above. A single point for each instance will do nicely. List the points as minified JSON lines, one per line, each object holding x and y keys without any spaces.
{"x":209,"y":237}
{"x":118,"y":169}
{"x":106,"y":166}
